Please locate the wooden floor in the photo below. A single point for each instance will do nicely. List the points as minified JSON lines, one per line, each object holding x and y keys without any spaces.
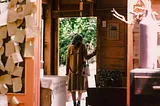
{"x":83,"y":101}
{"x":70,"y":103}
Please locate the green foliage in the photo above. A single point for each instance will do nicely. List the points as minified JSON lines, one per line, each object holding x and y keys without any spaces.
{"x":87,"y":27}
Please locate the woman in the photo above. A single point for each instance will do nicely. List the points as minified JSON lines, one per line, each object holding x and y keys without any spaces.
{"x":76,"y":56}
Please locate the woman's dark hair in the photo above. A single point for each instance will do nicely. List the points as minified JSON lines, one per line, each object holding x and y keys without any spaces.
{"x":77,"y":40}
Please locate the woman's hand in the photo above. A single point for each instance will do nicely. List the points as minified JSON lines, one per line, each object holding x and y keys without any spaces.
{"x":95,"y":50}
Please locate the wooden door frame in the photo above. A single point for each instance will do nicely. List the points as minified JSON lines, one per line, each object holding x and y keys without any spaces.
{"x":129,"y":48}
{"x":47,"y":38}
{"x":56,"y":45}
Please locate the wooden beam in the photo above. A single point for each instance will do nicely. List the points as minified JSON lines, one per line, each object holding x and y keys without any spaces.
{"x":70,"y":13}
{"x":70,"y":1}
{"x":47,"y":40}
{"x":76,"y":1}
{"x":129,"y":48}
{"x":91,"y":8}
{"x":36,"y":86}
{"x":58,"y":4}
{"x":66,"y":11}
{"x":56,"y":46}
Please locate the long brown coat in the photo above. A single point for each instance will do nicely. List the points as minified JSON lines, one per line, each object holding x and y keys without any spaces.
{"x":74,"y":61}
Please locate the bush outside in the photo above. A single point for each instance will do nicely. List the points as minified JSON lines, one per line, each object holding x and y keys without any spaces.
{"x":85,"y":26}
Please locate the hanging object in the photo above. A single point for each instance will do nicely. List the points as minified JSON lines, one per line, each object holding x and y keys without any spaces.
{"x":3,"y":31}
{"x":148,"y":40}
{"x":3,"y":12}
{"x":81,"y":7}
{"x":4,"y":89}
{"x":1,"y":50}
{"x":14,"y":101}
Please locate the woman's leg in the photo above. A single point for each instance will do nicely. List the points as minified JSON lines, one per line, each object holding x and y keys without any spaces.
{"x":74,"y":98}
{"x":79,"y":95}
{"x":79,"y":98}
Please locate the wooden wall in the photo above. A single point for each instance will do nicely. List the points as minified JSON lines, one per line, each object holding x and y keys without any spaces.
{"x":112,"y":54}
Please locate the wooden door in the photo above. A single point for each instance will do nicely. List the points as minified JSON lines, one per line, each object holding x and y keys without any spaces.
{"x":31,"y":95}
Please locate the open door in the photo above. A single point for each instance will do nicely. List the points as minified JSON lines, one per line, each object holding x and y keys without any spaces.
{"x":87,"y":27}
{"x":68,"y":27}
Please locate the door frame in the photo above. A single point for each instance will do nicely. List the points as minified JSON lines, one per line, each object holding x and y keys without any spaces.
{"x":57,"y":45}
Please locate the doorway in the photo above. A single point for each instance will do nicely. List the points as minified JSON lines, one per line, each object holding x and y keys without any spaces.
{"x":68,"y":27}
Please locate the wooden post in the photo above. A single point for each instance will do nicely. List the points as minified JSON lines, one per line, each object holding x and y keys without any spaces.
{"x":56,"y":46}
{"x":36,"y":69}
{"x":129,"y":48}
{"x":47,"y":40}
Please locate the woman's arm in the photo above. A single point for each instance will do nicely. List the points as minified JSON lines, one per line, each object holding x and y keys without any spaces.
{"x":86,"y":55}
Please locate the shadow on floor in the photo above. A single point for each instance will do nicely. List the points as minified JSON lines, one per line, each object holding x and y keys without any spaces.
{"x":83,"y":101}
{"x":70,"y":103}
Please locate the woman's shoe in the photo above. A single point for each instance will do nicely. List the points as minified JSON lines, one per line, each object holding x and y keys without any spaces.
{"x":78,"y":103}
{"x":74,"y":103}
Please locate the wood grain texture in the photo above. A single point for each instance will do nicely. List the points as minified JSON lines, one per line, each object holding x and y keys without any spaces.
{"x":47,"y":40}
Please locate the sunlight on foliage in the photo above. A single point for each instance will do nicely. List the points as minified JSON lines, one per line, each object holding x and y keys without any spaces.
{"x":85,"y":26}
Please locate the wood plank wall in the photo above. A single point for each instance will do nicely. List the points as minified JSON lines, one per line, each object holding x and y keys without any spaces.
{"x":47,"y":20}
{"x":47,"y":38}
{"x":113,"y":52}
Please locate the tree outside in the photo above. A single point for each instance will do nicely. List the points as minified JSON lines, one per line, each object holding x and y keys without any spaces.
{"x":86,"y":26}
